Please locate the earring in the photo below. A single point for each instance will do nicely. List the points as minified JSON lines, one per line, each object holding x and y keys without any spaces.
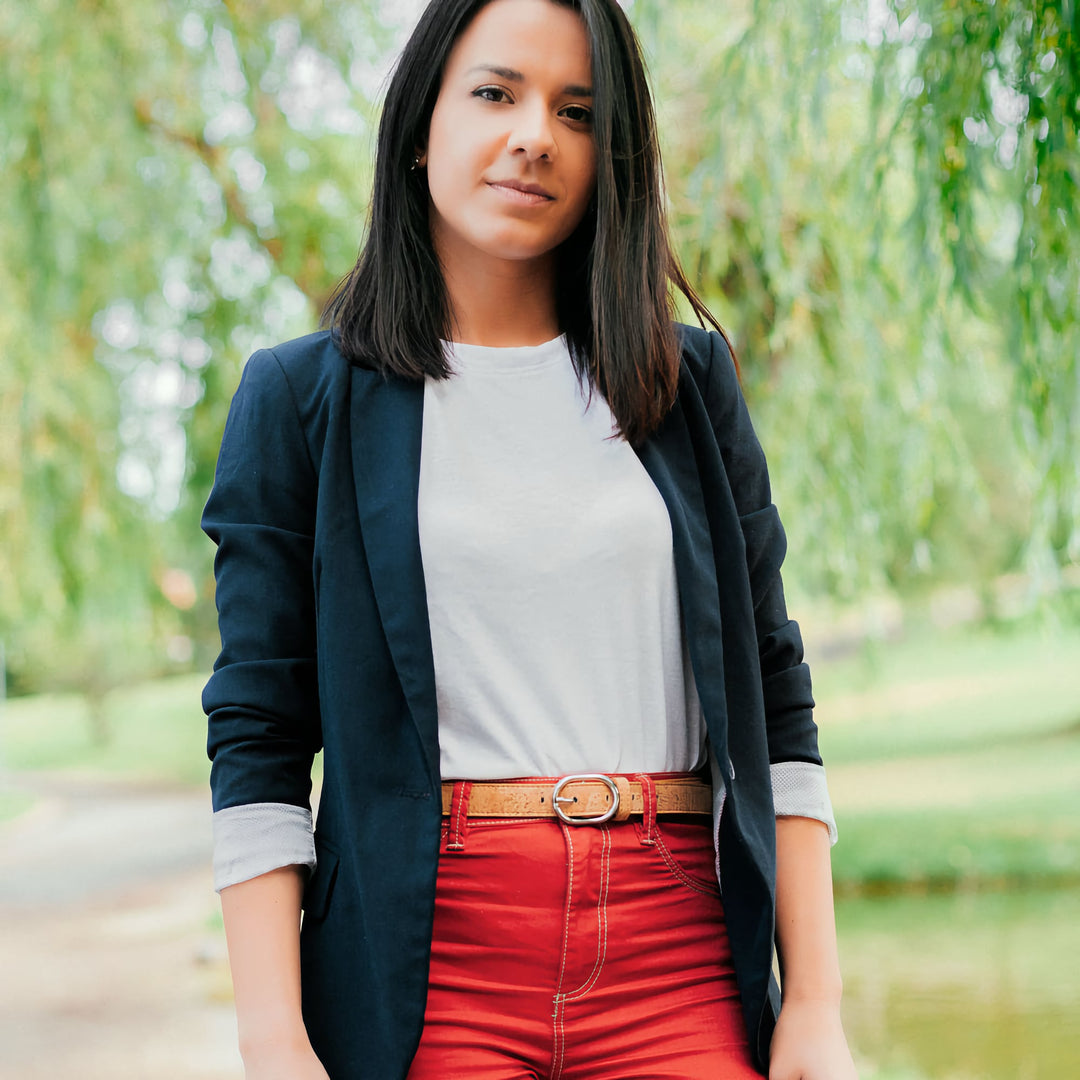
{"x":416,"y":163}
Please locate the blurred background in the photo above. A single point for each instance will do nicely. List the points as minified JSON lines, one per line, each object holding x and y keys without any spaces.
{"x":878,"y":198}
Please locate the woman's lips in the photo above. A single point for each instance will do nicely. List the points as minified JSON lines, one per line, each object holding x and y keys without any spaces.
{"x":523,"y":194}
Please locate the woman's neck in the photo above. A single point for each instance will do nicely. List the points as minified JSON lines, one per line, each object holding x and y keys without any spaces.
{"x":501,"y":303}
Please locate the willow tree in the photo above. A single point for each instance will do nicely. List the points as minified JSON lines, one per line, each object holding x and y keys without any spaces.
{"x":992,"y":112}
{"x":877,"y":199}
{"x":880,"y":199}
{"x":181,"y":180}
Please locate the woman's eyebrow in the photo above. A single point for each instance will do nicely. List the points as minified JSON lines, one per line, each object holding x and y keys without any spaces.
{"x":510,"y":75}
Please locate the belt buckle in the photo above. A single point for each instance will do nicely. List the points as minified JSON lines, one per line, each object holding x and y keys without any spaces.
{"x":597,"y":819}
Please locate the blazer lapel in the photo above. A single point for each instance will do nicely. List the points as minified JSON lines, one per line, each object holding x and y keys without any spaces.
{"x":386,"y":424}
{"x":669,"y":459}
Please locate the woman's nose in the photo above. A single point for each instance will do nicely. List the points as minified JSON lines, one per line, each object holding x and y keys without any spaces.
{"x":533,"y":133}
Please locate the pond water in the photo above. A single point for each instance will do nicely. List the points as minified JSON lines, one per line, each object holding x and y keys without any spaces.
{"x":969,"y":987}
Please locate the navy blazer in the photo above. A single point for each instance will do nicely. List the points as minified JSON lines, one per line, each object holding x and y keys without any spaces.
{"x":325,"y":643}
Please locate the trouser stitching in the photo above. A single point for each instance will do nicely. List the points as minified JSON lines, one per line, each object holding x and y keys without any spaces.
{"x":681,"y":874}
{"x":557,"y":1015}
{"x":601,"y":922}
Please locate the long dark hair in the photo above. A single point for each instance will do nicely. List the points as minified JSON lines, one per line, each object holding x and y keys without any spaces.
{"x":614,"y":274}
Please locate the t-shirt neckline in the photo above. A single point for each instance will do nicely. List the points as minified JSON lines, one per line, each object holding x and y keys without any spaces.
{"x":505,"y":358}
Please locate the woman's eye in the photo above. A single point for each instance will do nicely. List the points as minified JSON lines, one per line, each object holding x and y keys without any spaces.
{"x":491,"y":93}
{"x":579,"y":114}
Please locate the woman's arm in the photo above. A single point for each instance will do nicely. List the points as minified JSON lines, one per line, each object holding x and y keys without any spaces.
{"x":809,"y":1042}
{"x":262,"y":704}
{"x":262,"y":928}
{"x":262,"y":700}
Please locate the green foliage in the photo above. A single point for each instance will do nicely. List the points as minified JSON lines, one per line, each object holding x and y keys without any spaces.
{"x":880,"y":204}
{"x":184,"y":181}
{"x":991,"y":112}
{"x":878,"y":201}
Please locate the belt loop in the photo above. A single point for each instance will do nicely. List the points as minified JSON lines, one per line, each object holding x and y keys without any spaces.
{"x":459,"y":816}
{"x":648,"y":808}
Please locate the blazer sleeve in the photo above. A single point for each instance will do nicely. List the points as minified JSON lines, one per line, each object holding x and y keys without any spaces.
{"x":798,"y":775}
{"x":262,"y":699}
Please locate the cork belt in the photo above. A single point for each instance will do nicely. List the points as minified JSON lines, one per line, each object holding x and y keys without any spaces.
{"x":581,"y":799}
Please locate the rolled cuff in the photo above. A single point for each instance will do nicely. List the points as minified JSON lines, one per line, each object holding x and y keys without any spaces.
{"x":800,"y":790}
{"x":255,"y":838}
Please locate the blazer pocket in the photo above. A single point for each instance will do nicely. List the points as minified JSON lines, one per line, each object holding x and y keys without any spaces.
{"x":321,"y":884}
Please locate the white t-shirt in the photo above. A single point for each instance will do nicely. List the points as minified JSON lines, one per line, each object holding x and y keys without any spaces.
{"x":551,"y":590}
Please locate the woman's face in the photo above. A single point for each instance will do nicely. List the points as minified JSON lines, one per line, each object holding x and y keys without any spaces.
{"x":510,"y":157}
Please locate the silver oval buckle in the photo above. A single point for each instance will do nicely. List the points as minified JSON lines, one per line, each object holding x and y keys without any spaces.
{"x":597,"y":819}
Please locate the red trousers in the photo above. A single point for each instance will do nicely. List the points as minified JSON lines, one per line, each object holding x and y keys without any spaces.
{"x":580,"y":953}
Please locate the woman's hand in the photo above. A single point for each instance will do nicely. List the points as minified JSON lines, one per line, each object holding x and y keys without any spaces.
{"x":809,"y":1044}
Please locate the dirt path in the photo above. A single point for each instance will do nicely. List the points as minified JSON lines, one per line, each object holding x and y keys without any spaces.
{"x":111,"y":964}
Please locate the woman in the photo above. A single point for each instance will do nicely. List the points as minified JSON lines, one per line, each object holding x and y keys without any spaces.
{"x":505,"y":523}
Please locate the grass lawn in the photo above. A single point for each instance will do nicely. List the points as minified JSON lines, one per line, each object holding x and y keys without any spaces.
{"x":953,"y":757}
{"x":158,"y":733}
{"x":13,"y":803}
{"x":934,"y":690}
